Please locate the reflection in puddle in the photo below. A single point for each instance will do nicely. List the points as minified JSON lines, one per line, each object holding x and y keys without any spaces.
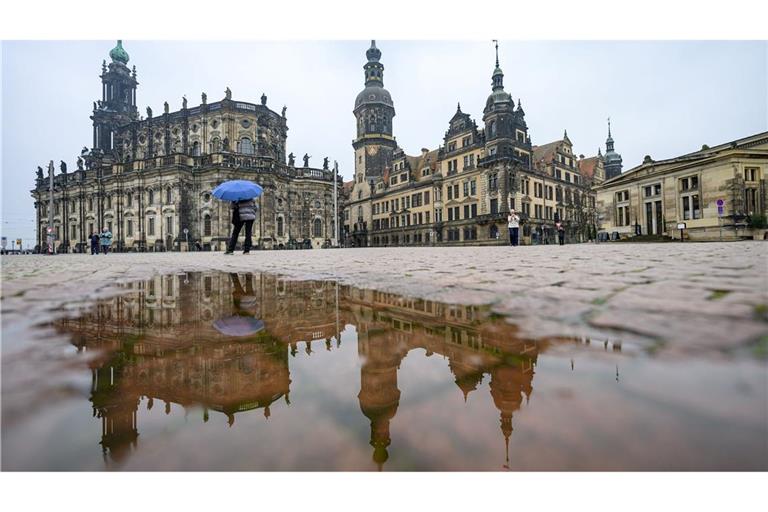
{"x":226,"y":371}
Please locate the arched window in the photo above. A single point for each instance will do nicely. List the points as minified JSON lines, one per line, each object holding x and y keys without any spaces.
{"x":151,"y":197}
{"x":494,"y":233}
{"x":246,"y":146}
{"x":492,"y":128}
{"x":195,"y":148}
{"x":279,"y":226}
{"x":207,"y":225}
{"x":317,"y":228}
{"x":216,"y":145}
{"x":168,"y":196}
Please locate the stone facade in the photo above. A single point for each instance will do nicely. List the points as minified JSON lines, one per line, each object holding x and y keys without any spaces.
{"x":150,"y":179}
{"x":461,"y":193}
{"x":655,"y":196}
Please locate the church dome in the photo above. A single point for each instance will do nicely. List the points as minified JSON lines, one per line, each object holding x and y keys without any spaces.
{"x":499,"y":97}
{"x":373,"y":94}
{"x":118,"y":54}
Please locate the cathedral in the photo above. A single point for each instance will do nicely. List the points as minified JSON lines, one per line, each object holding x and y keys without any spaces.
{"x":462,"y":192}
{"x":149,"y":179}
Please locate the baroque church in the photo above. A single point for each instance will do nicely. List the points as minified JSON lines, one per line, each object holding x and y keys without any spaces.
{"x":149,"y":179}
{"x":461,"y":192}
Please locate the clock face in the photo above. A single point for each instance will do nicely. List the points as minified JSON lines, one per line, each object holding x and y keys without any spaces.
{"x":372,"y":150}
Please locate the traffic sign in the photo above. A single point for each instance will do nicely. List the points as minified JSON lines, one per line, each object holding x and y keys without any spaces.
{"x":720,"y":207}
{"x":4,"y":241}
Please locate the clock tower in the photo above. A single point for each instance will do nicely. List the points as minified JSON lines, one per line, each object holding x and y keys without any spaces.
{"x":374,"y":112}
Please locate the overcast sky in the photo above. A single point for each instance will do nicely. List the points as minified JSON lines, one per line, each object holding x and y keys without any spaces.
{"x":664,"y":98}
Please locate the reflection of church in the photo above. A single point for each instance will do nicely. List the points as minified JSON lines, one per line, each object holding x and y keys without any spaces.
{"x":157,"y":341}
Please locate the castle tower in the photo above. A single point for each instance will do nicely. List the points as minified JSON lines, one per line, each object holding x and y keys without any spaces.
{"x":374,"y":112}
{"x":117,"y":106}
{"x":612,"y":158}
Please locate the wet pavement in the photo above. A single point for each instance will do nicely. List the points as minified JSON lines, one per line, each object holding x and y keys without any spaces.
{"x":238,"y":370}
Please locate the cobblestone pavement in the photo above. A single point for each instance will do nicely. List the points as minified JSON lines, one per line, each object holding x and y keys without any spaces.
{"x":671,"y":298}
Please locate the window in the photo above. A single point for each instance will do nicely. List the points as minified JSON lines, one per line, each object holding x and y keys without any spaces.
{"x":466,"y":188}
{"x":151,"y":196}
{"x":493,"y":181}
{"x":109,"y":202}
{"x":438,"y":215}
{"x":689,"y":183}
{"x":207,"y":225}
{"x":129,"y":227}
{"x":751,"y":174}
{"x":466,"y":211}
{"x":129,"y":199}
{"x":466,"y":141}
{"x":492,"y":128}
{"x":151,"y":227}
{"x":195,"y":148}
{"x":168,"y":196}
{"x":317,"y":228}
{"x":494,"y":207}
{"x":453,"y":166}
{"x":393,"y":180}
{"x":245,"y":146}
{"x":426,"y":217}
{"x":450,"y":192}
{"x":90,"y":204}
{"x":169,"y":225}
{"x":404,"y":177}
{"x":426,"y":197}
{"x":473,"y":187}
{"x":451,"y":146}
{"x":691,"y":207}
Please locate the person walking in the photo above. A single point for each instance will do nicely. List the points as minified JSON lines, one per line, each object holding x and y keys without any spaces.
{"x":513,"y":222}
{"x":94,"y":238}
{"x":560,"y":233}
{"x":106,"y":240}
{"x":243,"y":214}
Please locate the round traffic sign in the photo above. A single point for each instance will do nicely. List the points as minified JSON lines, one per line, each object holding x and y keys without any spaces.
{"x":720,"y":202}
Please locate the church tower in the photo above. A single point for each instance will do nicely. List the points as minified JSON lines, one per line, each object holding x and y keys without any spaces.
{"x":612,"y":158}
{"x":117,"y":106}
{"x":374,"y":112}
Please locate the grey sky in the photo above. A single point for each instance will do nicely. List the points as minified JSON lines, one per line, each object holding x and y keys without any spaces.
{"x":664,"y":98}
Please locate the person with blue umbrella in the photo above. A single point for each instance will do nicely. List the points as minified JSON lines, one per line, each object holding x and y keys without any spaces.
{"x":241,"y":194}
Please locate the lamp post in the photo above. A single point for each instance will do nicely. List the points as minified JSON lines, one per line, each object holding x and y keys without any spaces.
{"x":50,"y":209}
{"x":335,"y":205}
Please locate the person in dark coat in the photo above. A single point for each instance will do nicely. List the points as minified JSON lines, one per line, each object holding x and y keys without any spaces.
{"x":561,"y":233}
{"x":243,"y":214}
{"x":94,"y":238}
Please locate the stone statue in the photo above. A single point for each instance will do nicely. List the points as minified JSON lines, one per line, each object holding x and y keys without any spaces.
{"x":184,"y":102}
{"x":227,"y":94}
{"x":165,"y":107}
{"x":263,"y":99}
{"x":84,"y":150}
{"x":306,"y":160}
{"x":204,"y":97}
{"x":149,"y":112}
{"x":134,"y":71}
{"x":63,"y":167}
{"x":225,"y":144}
{"x":284,"y":109}
{"x":291,"y":159}
{"x":39,"y":173}
{"x":325,"y":163}
{"x":79,"y":164}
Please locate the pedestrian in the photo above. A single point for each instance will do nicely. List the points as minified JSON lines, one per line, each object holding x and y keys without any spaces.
{"x":106,"y":240}
{"x":94,"y":238}
{"x":513,"y":222}
{"x":561,"y":233}
{"x":243,"y":214}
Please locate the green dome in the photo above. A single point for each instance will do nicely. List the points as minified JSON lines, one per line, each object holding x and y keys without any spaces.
{"x":118,"y":54}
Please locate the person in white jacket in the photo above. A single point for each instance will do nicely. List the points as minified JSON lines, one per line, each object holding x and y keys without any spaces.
{"x":513,"y":222}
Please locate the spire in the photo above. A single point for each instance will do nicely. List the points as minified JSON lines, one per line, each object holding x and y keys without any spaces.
{"x":497,"y":79}
{"x":374,"y":70}
{"x":458,"y":107}
{"x":609,"y":140}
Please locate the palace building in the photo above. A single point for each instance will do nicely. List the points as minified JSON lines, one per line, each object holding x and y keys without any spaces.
{"x":461,"y":192}
{"x":149,"y":179}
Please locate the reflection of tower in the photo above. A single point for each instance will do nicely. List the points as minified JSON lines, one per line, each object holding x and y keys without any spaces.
{"x":379,"y":396}
{"x":117,"y":410}
{"x":508,"y":384}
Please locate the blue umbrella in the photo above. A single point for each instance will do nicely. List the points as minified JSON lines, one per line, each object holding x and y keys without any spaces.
{"x":237,"y":190}
{"x":238,"y":325}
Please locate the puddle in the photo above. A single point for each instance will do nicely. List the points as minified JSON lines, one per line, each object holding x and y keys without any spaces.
{"x":217,"y":371}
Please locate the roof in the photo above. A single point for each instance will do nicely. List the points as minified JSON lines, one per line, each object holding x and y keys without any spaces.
{"x":347,"y":187}
{"x":545,"y":152}
{"x":587,"y":166}
{"x":702,"y":154}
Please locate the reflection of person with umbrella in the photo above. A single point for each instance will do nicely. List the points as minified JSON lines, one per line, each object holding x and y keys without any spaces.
{"x":244,"y":307}
{"x":241,"y":194}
